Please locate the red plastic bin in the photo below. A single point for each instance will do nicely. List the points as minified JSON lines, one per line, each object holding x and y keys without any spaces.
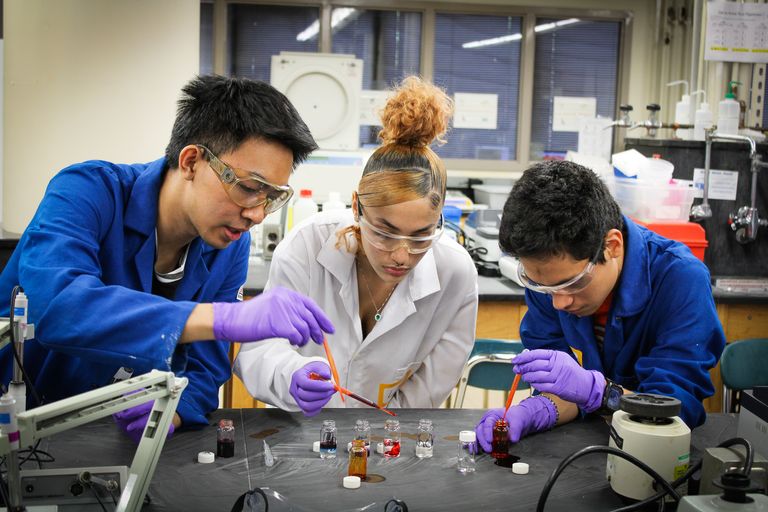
{"x":689,"y":233}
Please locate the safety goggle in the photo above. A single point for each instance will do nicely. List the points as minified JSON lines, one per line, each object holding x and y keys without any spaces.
{"x":248,"y":192}
{"x":390,"y":242}
{"x":569,"y":287}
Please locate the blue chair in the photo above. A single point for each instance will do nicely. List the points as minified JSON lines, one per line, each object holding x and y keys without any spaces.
{"x":489,"y":367}
{"x":743,"y":366}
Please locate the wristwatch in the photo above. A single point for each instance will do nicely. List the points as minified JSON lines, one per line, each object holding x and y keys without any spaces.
{"x":611,"y":398}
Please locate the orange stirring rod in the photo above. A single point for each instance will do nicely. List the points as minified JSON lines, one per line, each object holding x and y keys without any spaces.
{"x":342,"y":391}
{"x":364,"y":400}
{"x":332,"y":364}
{"x":511,"y":393}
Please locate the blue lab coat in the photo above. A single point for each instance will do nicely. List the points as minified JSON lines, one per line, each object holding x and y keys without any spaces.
{"x":662,"y":334}
{"x":86,"y":262}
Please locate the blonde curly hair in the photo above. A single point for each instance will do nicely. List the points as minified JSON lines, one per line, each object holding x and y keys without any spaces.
{"x":404,"y":167}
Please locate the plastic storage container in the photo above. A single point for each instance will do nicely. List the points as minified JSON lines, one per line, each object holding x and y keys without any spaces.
{"x":688,"y":233}
{"x":728,"y":112}
{"x":652,"y":201}
{"x":334,"y":202}
{"x":493,"y":195}
{"x":304,"y":207}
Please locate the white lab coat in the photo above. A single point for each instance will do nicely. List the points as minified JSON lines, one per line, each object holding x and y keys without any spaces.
{"x":413,"y":357}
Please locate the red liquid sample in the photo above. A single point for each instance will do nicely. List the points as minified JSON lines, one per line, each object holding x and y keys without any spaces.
{"x":391,"y":448}
{"x":500,"y":441}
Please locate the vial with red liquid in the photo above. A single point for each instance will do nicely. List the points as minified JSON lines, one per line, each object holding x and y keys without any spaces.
{"x":225,"y":438}
{"x":392,"y":438}
{"x":500,"y":441}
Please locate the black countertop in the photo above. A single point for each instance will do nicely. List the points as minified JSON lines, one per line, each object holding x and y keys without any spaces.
{"x":307,"y":483}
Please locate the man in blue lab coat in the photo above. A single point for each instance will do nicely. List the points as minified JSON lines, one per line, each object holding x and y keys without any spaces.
{"x":125,"y":266}
{"x":612,"y":306}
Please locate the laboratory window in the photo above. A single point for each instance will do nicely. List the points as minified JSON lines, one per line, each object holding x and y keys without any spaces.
{"x":257,"y":32}
{"x":477,"y":60}
{"x":389,"y":44}
{"x":206,"y":38}
{"x":575,"y":73}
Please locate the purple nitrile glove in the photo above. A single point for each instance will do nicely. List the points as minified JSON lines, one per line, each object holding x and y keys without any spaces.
{"x":132,"y":421}
{"x":533,"y":414}
{"x":276,"y":313}
{"x":557,"y":372}
{"x":311,"y":394}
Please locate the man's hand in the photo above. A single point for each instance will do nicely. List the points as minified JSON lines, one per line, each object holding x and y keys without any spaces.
{"x":277,"y":313}
{"x":557,"y":372}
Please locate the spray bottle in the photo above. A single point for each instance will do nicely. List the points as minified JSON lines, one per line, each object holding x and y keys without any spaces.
{"x":703,"y":118}
{"x":683,"y":110}
{"x":728,"y":112}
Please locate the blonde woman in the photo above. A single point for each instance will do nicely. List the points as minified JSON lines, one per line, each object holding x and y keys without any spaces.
{"x":402,"y":298}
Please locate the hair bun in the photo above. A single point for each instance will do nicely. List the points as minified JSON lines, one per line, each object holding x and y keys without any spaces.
{"x":416,"y":114}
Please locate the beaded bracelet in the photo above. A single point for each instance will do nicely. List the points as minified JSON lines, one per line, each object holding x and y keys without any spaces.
{"x":554,"y":405}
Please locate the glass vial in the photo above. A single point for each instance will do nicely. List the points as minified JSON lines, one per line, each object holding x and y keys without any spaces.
{"x":358,"y":459}
{"x":225,"y":438}
{"x":425,"y":438}
{"x":328,"y":440}
{"x":500,"y":441}
{"x":467,"y":450}
{"x":363,"y":431}
{"x":392,"y":438}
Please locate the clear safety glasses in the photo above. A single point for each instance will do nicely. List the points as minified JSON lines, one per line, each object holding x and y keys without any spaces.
{"x":248,"y":192}
{"x":569,"y":287}
{"x":389,"y":242}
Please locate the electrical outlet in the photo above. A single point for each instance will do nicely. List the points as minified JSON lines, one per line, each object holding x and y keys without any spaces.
{"x":271,"y":234}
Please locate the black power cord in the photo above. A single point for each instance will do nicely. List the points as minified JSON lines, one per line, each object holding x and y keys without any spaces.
{"x":668,"y":489}
{"x":603,"y":449}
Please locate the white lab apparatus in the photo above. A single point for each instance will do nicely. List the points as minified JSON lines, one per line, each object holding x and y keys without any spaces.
{"x":703,"y":119}
{"x":683,"y":110}
{"x":728,"y":113}
{"x":325,"y":89}
{"x":304,"y":207}
{"x":334,"y":202}
{"x":662,"y":442}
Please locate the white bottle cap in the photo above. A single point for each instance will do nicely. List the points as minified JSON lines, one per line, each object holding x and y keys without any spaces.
{"x":520,"y":468}
{"x":205,"y":457}
{"x":316,"y":447}
{"x":380,"y":448}
{"x":467,"y":436}
{"x":351,"y":482}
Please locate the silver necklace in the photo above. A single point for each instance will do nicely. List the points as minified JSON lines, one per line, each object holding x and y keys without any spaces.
{"x":377,"y":316}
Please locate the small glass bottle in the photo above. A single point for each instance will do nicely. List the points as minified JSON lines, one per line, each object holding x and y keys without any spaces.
{"x":363,"y":431}
{"x":467,"y":450}
{"x":328,"y":440}
{"x":425,"y":438}
{"x":225,"y":438}
{"x":500,"y":442}
{"x":392,"y":438}
{"x":358,"y":459}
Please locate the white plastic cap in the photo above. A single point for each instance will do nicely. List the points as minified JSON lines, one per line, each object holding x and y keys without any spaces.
{"x":351,"y":482}
{"x":205,"y":457}
{"x":316,"y":447}
{"x":379,"y":447}
{"x":520,"y":468}
{"x":467,"y":436}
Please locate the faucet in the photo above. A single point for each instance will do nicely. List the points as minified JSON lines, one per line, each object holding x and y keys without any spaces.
{"x":624,"y":121}
{"x":745,"y":221}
